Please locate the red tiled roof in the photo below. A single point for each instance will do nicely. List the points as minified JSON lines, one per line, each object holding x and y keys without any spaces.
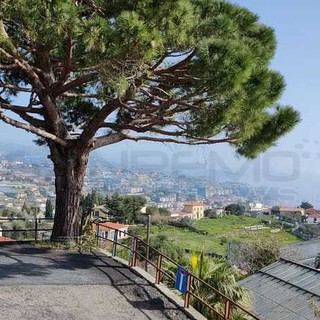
{"x":6,"y":239}
{"x":291,"y":209}
{"x":110,"y":225}
{"x":194,"y":204}
{"x":311,"y":211}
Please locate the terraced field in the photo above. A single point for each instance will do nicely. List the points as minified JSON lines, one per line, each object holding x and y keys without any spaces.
{"x":218,"y":232}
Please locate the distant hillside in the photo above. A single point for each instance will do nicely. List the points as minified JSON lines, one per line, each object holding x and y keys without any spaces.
{"x":25,"y":153}
{"x":36,"y":154}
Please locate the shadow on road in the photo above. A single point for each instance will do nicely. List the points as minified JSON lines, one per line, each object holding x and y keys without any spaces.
{"x":25,"y":264}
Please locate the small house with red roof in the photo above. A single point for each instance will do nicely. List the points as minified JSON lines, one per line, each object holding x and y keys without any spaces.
{"x":108,"y":229}
{"x":313,"y":215}
{"x":290,"y":212}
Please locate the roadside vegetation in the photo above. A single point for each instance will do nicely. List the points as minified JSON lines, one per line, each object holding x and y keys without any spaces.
{"x":21,"y":225}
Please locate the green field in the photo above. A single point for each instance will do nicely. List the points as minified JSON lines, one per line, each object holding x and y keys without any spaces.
{"x":219,"y":232}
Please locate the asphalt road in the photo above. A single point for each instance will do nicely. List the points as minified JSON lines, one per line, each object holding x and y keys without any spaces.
{"x":45,"y":284}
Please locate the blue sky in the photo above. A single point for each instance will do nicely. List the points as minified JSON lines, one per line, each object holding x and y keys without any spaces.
{"x":295,"y":163}
{"x":297,"y":26}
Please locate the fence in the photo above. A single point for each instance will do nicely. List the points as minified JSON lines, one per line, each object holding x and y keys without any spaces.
{"x":140,"y":251}
{"x":28,"y":229}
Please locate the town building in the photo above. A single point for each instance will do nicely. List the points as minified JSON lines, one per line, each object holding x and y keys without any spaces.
{"x":100,"y":212}
{"x":194,"y":209}
{"x":108,"y":229}
{"x":291,"y":211}
{"x":313,"y":215}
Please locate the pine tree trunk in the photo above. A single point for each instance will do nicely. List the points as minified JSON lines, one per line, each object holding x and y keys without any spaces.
{"x":69,"y":168}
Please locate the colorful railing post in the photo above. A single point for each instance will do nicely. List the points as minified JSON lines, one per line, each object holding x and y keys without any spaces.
{"x":158,"y":272}
{"x":227,"y":309}
{"x":187,"y":295}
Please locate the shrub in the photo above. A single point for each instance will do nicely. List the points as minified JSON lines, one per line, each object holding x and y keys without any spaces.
{"x":252,"y":256}
{"x":308,"y":231}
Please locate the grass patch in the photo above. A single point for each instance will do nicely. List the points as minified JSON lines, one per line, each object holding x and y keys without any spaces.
{"x":219,"y":232}
{"x":85,"y":245}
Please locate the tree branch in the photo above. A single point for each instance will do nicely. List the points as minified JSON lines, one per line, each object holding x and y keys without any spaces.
{"x":68,"y":60}
{"x":177,"y":65}
{"x":53,"y":115}
{"x":24,"y":67}
{"x":71,"y":84}
{"x":85,"y":95}
{"x":14,"y":88}
{"x":8,"y":66}
{"x":33,"y":121}
{"x":176,"y":141}
{"x":150,"y":127}
{"x":32,"y":129}
{"x":97,"y":121}
{"x":16,"y":108}
{"x":107,"y":140}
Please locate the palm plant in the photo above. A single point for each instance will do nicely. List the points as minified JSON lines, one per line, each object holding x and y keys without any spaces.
{"x":222,"y":277}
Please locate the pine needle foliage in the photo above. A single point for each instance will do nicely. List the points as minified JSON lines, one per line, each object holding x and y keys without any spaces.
{"x":184,"y":70}
{"x":84,"y":74}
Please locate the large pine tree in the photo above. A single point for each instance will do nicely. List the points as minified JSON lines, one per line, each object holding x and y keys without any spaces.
{"x":96,"y":72}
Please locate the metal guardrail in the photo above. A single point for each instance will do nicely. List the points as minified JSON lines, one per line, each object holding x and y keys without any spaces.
{"x":35,"y":230}
{"x":161,"y":273}
{"x":158,"y":266}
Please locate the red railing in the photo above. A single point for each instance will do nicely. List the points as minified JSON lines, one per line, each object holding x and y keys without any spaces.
{"x":160,"y":273}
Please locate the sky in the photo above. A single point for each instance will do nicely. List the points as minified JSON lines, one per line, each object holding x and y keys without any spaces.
{"x":293,"y":166}
{"x":297,"y":156}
